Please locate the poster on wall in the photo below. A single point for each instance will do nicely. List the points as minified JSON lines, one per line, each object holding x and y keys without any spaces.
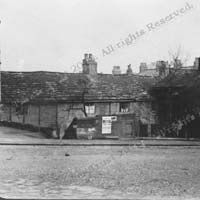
{"x":106,"y":125}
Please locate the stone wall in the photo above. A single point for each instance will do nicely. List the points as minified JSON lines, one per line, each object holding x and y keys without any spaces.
{"x":48,"y":115}
{"x":61,"y":115}
{"x":38,"y":115}
{"x":32,"y":116}
{"x":16,"y":117}
{"x":102,"y":109}
{"x":122,"y":126}
{"x":5,"y":112}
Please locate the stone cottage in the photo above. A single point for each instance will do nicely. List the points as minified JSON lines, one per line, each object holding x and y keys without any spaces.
{"x":53,"y":99}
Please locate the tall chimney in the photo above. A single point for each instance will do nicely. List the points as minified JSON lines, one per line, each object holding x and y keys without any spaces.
{"x":89,"y":64}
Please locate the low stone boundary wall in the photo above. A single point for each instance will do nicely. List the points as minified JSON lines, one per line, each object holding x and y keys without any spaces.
{"x":47,"y":132}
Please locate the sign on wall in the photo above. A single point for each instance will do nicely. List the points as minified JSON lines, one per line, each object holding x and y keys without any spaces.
{"x":114,"y":118}
{"x":107,"y":124}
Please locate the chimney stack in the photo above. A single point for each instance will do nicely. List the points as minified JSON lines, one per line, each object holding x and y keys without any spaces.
{"x":89,"y":64}
{"x":116,"y":70}
{"x":143,"y":67}
{"x":129,"y":71}
{"x":161,"y":67}
{"x":197,"y":63}
{"x":90,"y":56}
{"x":177,"y":64}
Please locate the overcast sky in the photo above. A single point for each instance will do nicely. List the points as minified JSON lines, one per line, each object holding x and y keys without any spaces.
{"x":53,"y":35}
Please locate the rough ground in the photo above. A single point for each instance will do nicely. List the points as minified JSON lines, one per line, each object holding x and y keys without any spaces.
{"x":99,"y":172}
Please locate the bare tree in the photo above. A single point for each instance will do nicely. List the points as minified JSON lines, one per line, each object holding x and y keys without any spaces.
{"x":77,"y":68}
{"x":178,"y":58}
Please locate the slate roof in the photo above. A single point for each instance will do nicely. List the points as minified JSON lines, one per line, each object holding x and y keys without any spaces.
{"x":149,"y":72}
{"x":41,"y":86}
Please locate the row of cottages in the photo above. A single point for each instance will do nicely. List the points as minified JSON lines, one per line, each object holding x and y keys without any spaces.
{"x":103,"y":105}
{"x":178,"y":102}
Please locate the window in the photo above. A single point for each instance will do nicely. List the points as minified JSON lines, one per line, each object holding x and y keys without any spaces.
{"x":124,"y":107}
{"x":21,"y":109}
{"x":90,"y":108}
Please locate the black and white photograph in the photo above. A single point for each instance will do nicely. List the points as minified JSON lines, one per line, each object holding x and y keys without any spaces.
{"x":100,"y":99}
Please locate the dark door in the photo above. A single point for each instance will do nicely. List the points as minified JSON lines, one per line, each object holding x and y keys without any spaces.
{"x":71,"y":132}
{"x":143,"y":130}
{"x":128,"y":129}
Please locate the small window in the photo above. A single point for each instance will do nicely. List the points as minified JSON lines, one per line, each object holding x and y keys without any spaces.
{"x":21,"y":109}
{"x":90,"y":108}
{"x":124,"y":107}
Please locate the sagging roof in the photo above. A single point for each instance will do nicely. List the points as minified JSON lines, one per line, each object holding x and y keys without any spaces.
{"x":41,"y":86}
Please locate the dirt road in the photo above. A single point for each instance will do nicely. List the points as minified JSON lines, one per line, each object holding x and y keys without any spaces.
{"x":99,"y":172}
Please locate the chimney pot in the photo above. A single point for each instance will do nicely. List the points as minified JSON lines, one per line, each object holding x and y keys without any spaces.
{"x":89,"y":65}
{"x":129,"y":70}
{"x":86,"y":56}
{"x":90,"y":56}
